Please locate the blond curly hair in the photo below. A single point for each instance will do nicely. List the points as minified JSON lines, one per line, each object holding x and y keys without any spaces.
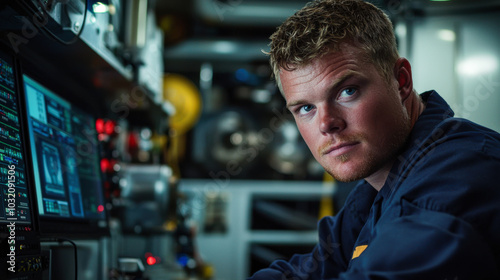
{"x":323,"y":25}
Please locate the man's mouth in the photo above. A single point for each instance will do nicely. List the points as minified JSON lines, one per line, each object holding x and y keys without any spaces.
{"x":339,"y":149}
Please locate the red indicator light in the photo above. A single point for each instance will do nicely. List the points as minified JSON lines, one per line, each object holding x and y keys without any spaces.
{"x":105,"y":165}
{"x":99,"y":125}
{"x":109,"y":127}
{"x":151,"y":260}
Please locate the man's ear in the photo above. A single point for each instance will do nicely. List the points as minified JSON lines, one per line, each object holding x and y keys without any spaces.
{"x":402,"y":73}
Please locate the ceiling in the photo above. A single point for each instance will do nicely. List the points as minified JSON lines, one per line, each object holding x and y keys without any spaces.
{"x":229,"y":33}
{"x":226,"y":33}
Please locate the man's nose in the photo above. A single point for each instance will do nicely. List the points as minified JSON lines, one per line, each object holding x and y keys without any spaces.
{"x":330,"y":121}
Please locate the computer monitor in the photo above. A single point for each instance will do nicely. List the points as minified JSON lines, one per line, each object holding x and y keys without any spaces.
{"x":20,"y":256}
{"x":15,"y":197}
{"x":66,"y":164}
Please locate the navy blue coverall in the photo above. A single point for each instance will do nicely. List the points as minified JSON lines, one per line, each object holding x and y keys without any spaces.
{"x":436,"y":217}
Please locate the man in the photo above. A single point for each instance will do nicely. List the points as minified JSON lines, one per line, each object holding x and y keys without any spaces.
{"x":429,"y":204}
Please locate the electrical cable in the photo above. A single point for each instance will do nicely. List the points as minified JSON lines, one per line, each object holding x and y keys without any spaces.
{"x":43,"y":28}
{"x":60,"y":240}
{"x":76,"y":254}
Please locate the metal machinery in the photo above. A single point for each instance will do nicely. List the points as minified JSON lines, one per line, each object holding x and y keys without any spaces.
{"x":105,"y":56}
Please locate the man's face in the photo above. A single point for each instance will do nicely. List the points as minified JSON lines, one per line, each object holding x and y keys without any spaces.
{"x":352,"y":119}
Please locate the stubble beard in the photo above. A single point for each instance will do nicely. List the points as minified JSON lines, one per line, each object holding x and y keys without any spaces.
{"x":374,"y":160}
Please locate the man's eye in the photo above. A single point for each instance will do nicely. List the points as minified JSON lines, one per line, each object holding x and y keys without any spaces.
{"x":347,"y":92}
{"x":305,"y":109}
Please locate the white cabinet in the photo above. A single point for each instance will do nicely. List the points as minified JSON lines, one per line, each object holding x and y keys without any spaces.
{"x":246,"y":241}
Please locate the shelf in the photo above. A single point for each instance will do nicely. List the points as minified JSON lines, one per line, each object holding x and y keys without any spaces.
{"x":95,"y":73}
